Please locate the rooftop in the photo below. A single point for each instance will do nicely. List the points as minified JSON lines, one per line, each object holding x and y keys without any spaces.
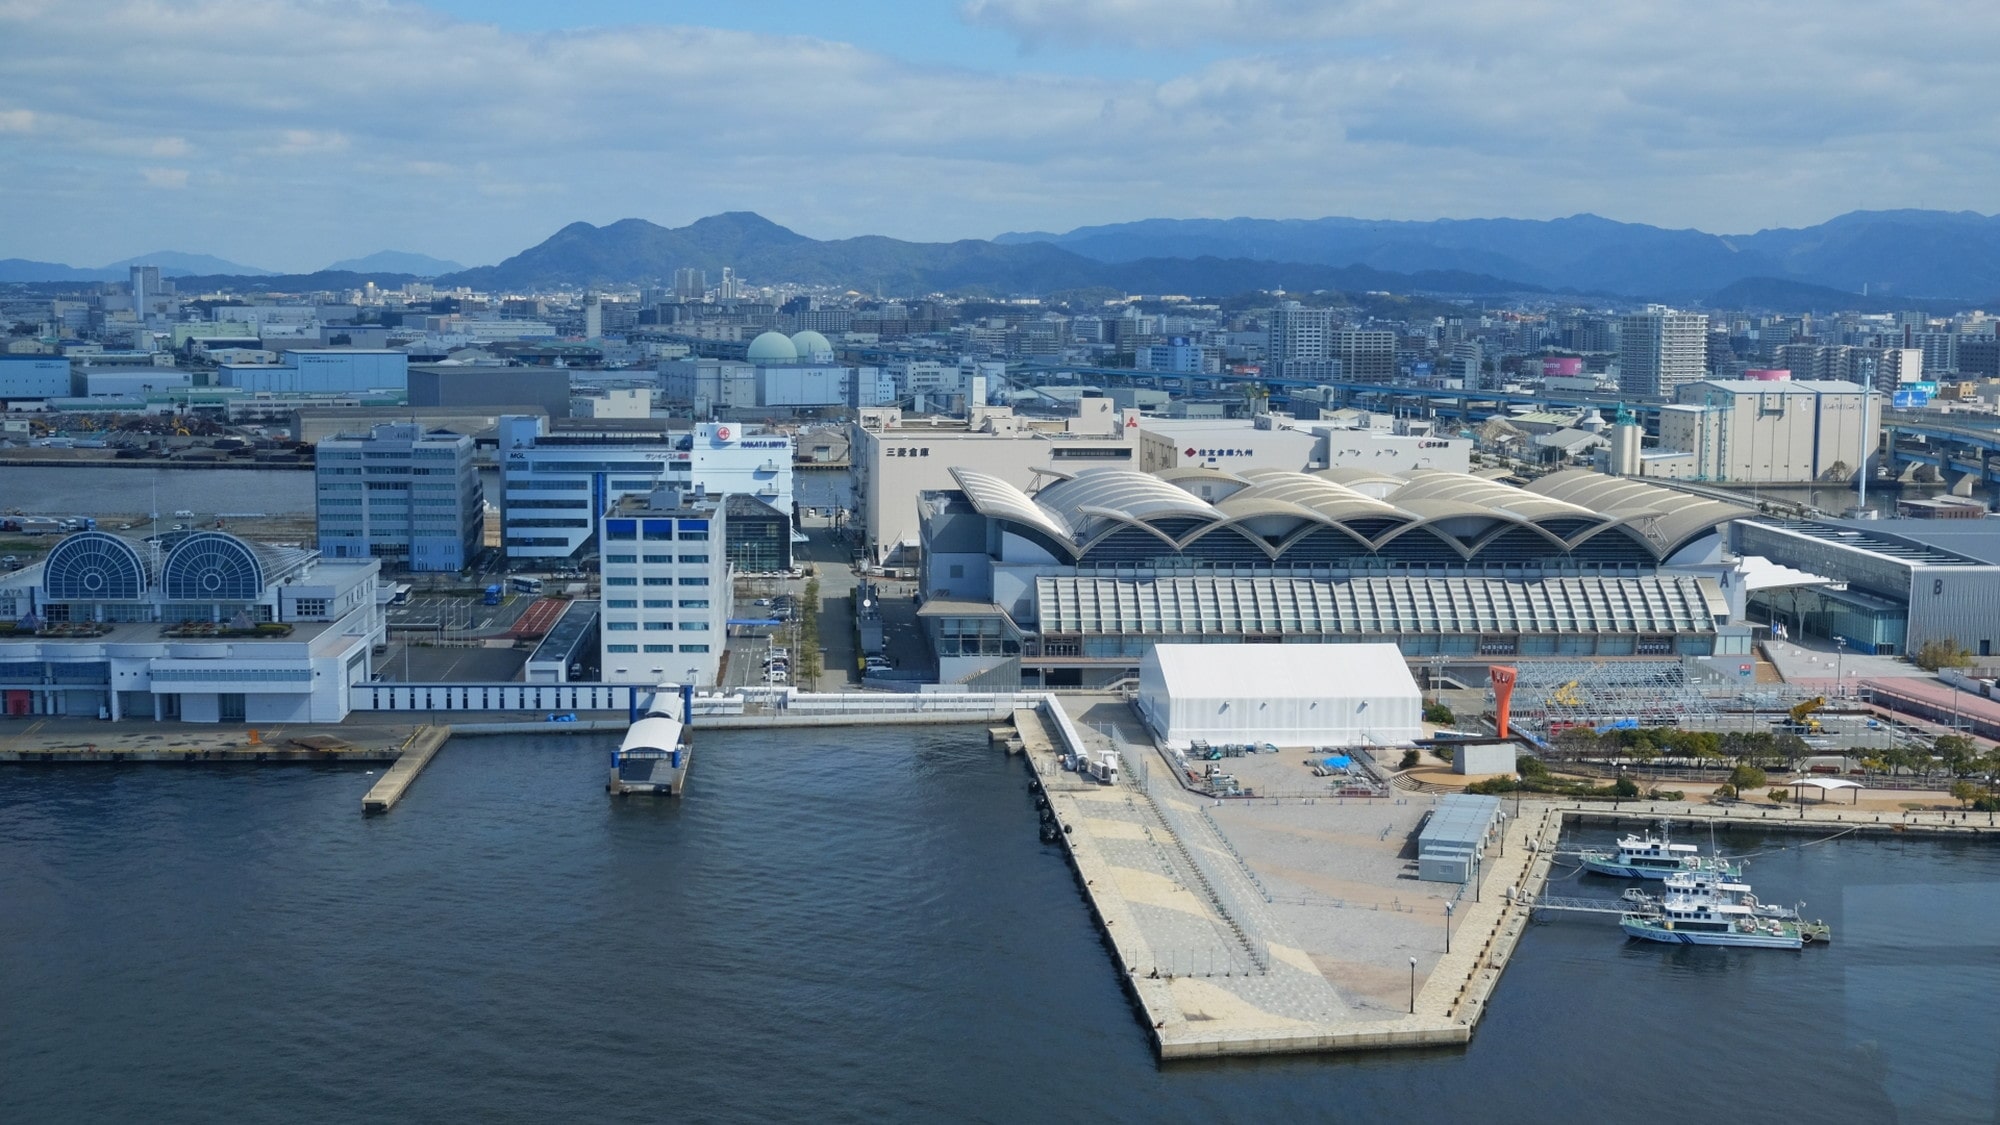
{"x":1284,"y":671}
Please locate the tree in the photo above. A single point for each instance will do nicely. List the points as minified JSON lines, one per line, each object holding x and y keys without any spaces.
{"x":1966,"y":791}
{"x":1626,"y":787}
{"x":1941,"y":652}
{"x":1960,"y":754}
{"x":1410,"y":760}
{"x":1439,"y":714}
{"x":1778,"y":796}
{"x":1746,"y":777}
{"x":1791,"y":748}
{"x":1527,"y":765}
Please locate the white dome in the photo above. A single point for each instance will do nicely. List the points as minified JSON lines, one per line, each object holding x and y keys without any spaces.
{"x":772,"y":347}
{"x":812,"y":345}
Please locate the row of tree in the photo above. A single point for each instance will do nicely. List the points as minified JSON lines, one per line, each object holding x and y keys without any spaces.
{"x":1951,"y":755}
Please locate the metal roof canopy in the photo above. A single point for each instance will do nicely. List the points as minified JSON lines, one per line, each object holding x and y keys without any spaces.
{"x":1374,"y":606}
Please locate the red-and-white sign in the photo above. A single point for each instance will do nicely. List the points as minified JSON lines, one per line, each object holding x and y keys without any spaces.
{"x":722,"y":433}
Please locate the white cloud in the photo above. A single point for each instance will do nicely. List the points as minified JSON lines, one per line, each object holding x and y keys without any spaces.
{"x":312,"y":119}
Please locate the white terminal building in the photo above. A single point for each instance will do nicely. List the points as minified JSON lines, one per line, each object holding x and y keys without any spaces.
{"x":1287,"y":695}
{"x":555,"y":485}
{"x":666,"y":588}
{"x":200,"y":627}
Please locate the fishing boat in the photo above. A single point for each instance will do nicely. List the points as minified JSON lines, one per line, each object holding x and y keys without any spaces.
{"x":1654,"y":857}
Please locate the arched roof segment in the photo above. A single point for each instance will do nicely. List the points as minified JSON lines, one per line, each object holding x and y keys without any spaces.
{"x":1667,"y":519}
{"x":93,"y":565}
{"x":212,"y":566}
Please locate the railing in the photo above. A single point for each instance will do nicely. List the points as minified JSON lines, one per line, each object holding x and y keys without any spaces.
{"x":1223,"y":888}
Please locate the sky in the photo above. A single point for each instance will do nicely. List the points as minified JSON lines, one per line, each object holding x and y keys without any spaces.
{"x":286,"y":134}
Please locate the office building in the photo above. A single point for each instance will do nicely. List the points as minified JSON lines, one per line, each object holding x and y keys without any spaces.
{"x":666,"y":588}
{"x":690,"y":284}
{"x":555,"y":484}
{"x":1661,"y":350}
{"x":408,"y":496}
{"x":202,"y":627}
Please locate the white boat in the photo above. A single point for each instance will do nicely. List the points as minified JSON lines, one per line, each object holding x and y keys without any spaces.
{"x":654,"y":755}
{"x":1654,"y":857}
{"x":1705,"y":922}
{"x":1713,"y":886}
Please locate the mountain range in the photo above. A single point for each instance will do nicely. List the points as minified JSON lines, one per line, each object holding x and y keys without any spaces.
{"x":756,"y":248}
{"x":1885,"y":254}
{"x":1877,"y":259}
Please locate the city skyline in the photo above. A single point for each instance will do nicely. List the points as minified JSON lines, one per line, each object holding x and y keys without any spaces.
{"x":469,"y":131}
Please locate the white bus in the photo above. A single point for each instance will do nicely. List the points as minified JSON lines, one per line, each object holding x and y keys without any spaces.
{"x":525,"y":585}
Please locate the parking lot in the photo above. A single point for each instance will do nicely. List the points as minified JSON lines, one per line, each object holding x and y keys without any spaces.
{"x":457,"y":614}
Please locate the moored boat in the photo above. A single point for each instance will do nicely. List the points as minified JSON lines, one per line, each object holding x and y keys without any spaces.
{"x":1654,"y":857}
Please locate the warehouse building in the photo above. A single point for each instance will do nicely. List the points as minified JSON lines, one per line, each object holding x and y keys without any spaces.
{"x":1893,"y":584}
{"x":1324,"y":695}
{"x":1455,"y":837}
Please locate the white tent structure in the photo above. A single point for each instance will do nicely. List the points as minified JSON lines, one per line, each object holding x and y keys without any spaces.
{"x":1291,"y":695}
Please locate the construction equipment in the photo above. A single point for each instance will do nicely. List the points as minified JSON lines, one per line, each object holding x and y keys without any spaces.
{"x":1566,"y":696}
{"x":1800,"y":718}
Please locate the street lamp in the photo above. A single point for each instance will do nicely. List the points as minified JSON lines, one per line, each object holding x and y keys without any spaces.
{"x":1413,"y":986}
{"x":1447,"y":928}
{"x":1840,"y":665}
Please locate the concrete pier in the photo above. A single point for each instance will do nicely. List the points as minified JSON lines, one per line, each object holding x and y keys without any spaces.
{"x":1210,"y":968}
{"x":417,"y":753}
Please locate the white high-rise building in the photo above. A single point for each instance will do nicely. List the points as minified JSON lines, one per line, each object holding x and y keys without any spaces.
{"x":666,"y":589}
{"x":1299,"y":343}
{"x":1661,"y":350}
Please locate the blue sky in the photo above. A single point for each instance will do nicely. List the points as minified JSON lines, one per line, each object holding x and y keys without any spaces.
{"x":286,"y":134}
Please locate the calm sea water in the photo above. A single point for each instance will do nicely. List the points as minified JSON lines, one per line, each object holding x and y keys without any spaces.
{"x":844,"y":926}
{"x":84,"y":490}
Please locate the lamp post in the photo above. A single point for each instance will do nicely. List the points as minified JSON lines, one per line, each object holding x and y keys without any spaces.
{"x":1447,"y":928}
{"x":1413,"y":986}
{"x":1840,"y":665}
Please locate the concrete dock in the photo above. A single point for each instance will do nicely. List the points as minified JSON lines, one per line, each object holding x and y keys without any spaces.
{"x":1267,"y":926}
{"x":416,"y":754}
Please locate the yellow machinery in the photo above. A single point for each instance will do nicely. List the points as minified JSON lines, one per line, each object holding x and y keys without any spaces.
{"x":1566,"y":696}
{"x":1801,"y":715}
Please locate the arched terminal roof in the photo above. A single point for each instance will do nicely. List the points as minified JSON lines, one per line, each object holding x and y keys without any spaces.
{"x":1427,"y":516}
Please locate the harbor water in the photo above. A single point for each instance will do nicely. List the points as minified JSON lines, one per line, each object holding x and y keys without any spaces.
{"x":847,"y":925}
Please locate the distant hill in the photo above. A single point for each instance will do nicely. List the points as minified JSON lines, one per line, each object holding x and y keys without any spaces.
{"x":635,"y":250}
{"x":172,"y":263}
{"x":1889,"y":253}
{"x":26,"y":269}
{"x":398,"y":261}
{"x":176,"y":263}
